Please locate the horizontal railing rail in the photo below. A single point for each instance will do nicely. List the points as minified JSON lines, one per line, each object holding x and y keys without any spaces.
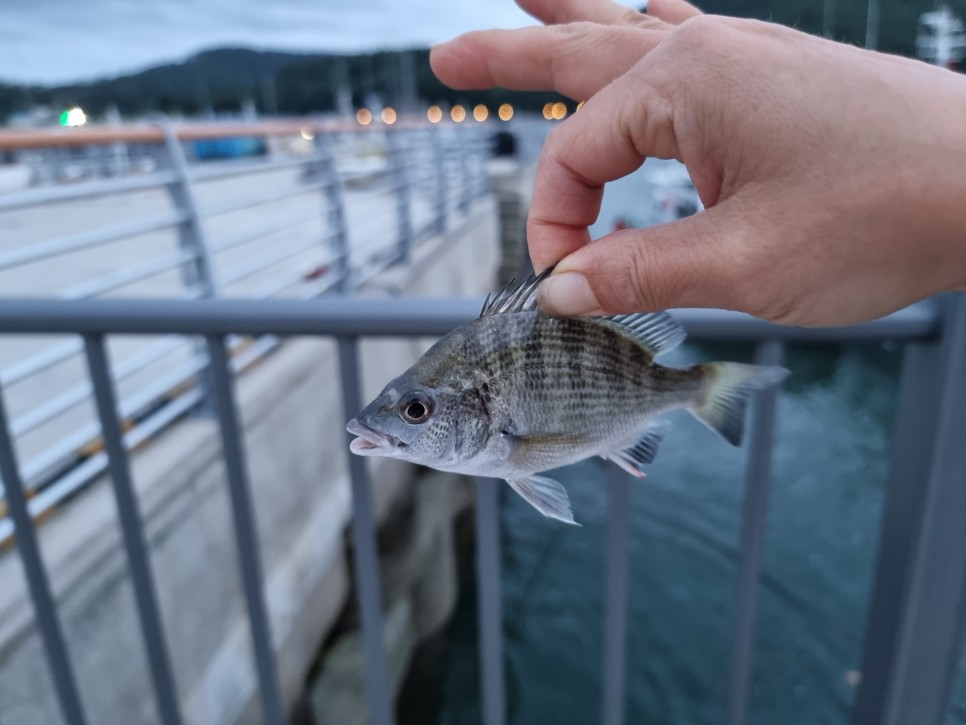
{"x":326,"y":207}
{"x":362,"y":316}
{"x":16,"y":139}
{"x":916,"y":620}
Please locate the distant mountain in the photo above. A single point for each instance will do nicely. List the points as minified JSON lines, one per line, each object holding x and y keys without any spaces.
{"x":292,"y":83}
{"x":211,"y":78}
{"x":289,"y":83}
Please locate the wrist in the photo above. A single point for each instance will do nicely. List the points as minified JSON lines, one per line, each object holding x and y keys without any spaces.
{"x":943,"y":183}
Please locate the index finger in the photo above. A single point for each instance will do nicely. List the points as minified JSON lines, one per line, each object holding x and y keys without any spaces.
{"x":577,"y":59}
{"x":607,"y":139}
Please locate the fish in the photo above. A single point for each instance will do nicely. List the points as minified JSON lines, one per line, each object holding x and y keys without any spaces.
{"x":516,"y":392}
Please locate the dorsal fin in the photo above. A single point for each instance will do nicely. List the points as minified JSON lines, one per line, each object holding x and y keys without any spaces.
{"x":657,"y":331}
{"x":522,"y":298}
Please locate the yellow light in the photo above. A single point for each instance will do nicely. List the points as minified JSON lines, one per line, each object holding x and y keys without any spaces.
{"x":434,"y":114}
{"x":364,"y":116}
{"x":457,"y":113}
{"x":558,"y":111}
{"x":548,"y":111}
{"x":307,"y":133}
{"x":579,"y":106}
{"x":480,"y":113}
{"x":505,"y":112}
{"x":389,"y":115}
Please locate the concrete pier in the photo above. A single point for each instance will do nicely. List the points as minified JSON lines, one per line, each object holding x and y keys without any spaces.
{"x":296,"y":450}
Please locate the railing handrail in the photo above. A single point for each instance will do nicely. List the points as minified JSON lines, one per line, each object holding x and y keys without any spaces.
{"x":19,"y":139}
{"x":380,"y":316}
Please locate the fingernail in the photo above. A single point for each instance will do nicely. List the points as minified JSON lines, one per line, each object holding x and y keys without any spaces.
{"x":567,"y":294}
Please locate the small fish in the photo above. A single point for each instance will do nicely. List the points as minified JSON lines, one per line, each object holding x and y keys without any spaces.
{"x":517,"y":392}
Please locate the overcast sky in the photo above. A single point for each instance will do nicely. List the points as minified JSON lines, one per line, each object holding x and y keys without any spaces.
{"x":54,"y":41}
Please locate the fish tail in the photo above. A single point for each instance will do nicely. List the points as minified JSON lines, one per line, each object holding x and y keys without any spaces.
{"x":725,"y":391}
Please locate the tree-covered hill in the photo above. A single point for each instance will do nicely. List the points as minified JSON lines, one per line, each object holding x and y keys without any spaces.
{"x":292,"y":83}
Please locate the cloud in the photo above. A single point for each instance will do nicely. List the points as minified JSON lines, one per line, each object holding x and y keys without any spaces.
{"x":57,"y":41}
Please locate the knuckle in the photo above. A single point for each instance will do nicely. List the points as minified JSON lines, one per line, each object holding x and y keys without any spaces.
{"x":698,"y":32}
{"x":634,"y":281}
{"x":649,"y":289}
{"x":637,"y":19}
{"x":578,"y":31}
{"x":763,"y":291}
{"x":630,"y":16}
{"x":555,"y":143}
{"x":782,"y":309}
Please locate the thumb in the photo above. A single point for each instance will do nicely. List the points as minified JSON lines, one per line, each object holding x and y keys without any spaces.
{"x":691,"y":262}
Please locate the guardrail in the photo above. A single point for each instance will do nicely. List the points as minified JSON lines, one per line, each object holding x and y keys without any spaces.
{"x":327,"y":206}
{"x":916,"y":616}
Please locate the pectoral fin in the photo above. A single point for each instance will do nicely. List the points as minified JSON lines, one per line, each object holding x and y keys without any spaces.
{"x":546,"y":496}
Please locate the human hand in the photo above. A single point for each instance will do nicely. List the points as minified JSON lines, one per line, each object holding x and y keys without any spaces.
{"x":834,"y":178}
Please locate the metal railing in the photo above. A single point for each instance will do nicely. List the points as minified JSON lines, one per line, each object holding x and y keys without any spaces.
{"x":916,"y":615}
{"x":327,"y":208}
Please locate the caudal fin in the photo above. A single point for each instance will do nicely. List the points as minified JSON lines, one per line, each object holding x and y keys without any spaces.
{"x":725,"y":395}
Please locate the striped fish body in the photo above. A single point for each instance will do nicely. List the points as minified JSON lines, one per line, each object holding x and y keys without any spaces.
{"x":559,"y":390}
{"x":516,"y":393}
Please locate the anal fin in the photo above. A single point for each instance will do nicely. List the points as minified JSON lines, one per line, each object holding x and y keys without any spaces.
{"x":634,"y":457}
{"x":546,"y":496}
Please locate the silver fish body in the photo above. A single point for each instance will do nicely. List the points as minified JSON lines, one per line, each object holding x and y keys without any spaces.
{"x":516,"y":392}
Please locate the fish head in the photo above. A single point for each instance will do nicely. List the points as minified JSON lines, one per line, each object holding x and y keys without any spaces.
{"x":410,"y":421}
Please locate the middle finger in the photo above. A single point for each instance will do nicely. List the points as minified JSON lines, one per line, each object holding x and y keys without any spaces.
{"x":605,"y":12}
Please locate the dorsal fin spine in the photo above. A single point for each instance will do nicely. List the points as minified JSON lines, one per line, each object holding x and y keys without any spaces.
{"x":522,"y":298}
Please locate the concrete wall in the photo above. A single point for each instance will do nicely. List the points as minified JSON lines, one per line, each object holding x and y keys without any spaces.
{"x":512,"y":184}
{"x":296,"y":450}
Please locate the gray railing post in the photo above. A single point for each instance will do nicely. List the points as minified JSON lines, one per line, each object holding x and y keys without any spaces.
{"x":482,"y":154}
{"x":191,"y":235}
{"x":916,"y":617}
{"x":438,"y":143}
{"x":45,"y":608}
{"x":246,"y":531}
{"x":754,"y":515}
{"x":198,"y":274}
{"x":132,"y":530}
{"x":400,"y":178}
{"x":489,"y":594}
{"x":614,"y":677}
{"x":466,"y":178}
{"x":338,"y":228}
{"x":365,"y":550}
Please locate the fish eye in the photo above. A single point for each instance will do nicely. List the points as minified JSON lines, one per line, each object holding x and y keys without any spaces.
{"x":415,"y":407}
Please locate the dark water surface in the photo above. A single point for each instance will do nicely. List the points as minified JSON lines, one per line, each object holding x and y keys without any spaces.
{"x":829,"y":468}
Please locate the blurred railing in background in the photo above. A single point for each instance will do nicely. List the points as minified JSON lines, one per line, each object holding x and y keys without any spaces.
{"x":280,"y":209}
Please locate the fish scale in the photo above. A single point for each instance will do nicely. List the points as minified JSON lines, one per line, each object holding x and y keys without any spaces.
{"x":515,"y":393}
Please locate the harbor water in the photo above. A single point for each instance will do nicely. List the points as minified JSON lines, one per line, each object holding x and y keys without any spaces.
{"x":829,"y":469}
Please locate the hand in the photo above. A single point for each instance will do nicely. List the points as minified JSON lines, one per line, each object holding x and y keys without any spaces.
{"x":834,"y":178}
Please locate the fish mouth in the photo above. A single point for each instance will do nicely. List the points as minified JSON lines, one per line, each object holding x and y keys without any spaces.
{"x":369,"y":441}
